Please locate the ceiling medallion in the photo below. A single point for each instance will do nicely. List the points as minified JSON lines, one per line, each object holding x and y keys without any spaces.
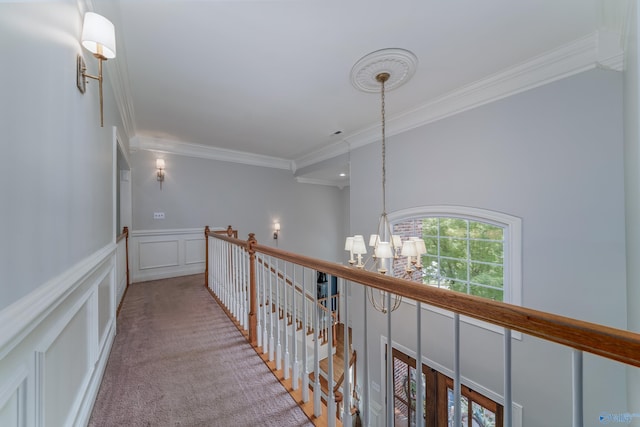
{"x":400,"y":64}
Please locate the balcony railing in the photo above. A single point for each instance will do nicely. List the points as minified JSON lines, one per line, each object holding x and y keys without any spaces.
{"x":234,"y":276}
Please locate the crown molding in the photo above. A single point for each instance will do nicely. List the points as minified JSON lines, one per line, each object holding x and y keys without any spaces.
{"x":599,"y":49}
{"x":207,"y":152}
{"x":573,"y":58}
{"x":327,"y":152}
{"x":328,"y":182}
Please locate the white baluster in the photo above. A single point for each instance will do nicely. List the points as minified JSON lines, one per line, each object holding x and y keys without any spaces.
{"x":576,"y":389}
{"x":365,"y":380}
{"x":260,"y":302}
{"x":419,"y":414}
{"x":287,"y":360}
{"x":272,"y":307}
{"x":266,"y":298}
{"x":331,"y":399}
{"x":346,"y":385}
{"x":278,"y":309}
{"x":456,"y":370}
{"x":294,"y":331}
{"x":389,"y":387}
{"x":245,"y":290}
{"x":305,"y":369}
{"x":317,"y":392}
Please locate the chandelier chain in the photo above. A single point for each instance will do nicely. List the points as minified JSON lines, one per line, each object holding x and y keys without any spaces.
{"x":384,"y":150}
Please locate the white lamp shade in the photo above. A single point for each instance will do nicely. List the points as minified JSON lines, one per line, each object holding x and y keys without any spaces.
{"x":276,"y":226}
{"x":160,"y":164}
{"x":374,"y":239}
{"x":383,"y":250}
{"x":98,"y":33}
{"x":348,"y":244}
{"x":397,"y":241}
{"x":421,"y":248}
{"x":358,"y":245}
{"x":409,"y":248}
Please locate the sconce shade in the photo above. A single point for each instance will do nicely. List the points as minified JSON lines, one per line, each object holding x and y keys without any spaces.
{"x":358,"y":245}
{"x":276,"y":226}
{"x":421,"y":248}
{"x":409,"y":248}
{"x":98,"y":35}
{"x":384,"y":250}
{"x":160,"y":163}
{"x":348,"y":244}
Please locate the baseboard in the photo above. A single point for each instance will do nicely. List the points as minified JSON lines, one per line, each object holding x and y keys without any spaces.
{"x":176,"y":272}
{"x":84,"y":414}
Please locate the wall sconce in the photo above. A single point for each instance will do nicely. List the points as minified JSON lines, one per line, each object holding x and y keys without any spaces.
{"x":276,"y":230}
{"x":99,"y":38}
{"x":160,"y":173}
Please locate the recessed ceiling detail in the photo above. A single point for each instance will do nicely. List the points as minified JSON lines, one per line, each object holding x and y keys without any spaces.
{"x":399,"y":63}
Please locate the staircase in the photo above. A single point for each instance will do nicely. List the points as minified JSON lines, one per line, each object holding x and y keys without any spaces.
{"x":283,"y":314}
{"x":296,"y":331}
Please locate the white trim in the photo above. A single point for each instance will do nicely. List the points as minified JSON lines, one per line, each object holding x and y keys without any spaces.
{"x":208,"y":152}
{"x":329,"y":182}
{"x":169,"y":232}
{"x":16,"y":385}
{"x":580,"y":55}
{"x":21,"y":317}
{"x":567,"y":60}
{"x":168,"y":264}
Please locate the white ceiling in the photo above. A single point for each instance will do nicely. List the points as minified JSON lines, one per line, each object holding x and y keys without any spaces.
{"x":271,"y":79}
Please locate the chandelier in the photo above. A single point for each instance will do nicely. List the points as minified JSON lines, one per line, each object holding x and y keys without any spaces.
{"x":380,"y":70}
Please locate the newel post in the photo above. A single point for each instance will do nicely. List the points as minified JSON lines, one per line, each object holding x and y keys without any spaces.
{"x":253,"y":295}
{"x":206,"y":256}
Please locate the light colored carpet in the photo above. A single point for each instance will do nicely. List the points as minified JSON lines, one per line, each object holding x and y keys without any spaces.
{"x":178,"y":360}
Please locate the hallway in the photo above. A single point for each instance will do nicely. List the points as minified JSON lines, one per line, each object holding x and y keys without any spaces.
{"x":177,"y":359}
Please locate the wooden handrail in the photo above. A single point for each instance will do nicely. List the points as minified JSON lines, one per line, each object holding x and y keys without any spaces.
{"x":125,"y":235}
{"x":612,"y":343}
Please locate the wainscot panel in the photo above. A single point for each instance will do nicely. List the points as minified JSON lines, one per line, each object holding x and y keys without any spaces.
{"x":55,"y":342}
{"x":159,"y":254}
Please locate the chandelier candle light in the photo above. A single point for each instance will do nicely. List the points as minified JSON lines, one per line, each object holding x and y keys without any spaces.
{"x":376,"y":71}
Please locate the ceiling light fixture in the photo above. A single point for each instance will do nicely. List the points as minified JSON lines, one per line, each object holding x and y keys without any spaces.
{"x":380,"y":70}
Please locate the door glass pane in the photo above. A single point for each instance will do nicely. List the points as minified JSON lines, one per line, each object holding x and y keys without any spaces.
{"x":482,"y":417}
{"x":401,"y":405}
{"x":464,"y":409}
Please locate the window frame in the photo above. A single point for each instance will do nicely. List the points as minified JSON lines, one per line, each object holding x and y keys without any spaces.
{"x":512,"y":262}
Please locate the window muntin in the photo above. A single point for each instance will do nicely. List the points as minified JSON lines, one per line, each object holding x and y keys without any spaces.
{"x":462,"y":255}
{"x":470,"y":250}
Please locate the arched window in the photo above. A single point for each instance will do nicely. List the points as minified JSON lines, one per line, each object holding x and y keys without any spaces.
{"x":469,"y":250}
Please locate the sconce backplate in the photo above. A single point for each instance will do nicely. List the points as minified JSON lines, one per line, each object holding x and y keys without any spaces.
{"x":81,"y":81}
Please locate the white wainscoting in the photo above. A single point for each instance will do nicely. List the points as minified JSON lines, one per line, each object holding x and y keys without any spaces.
{"x":159,"y":254}
{"x":55,"y":342}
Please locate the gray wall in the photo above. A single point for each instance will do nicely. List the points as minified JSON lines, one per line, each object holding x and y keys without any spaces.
{"x":632,"y":188}
{"x":199,"y":192}
{"x":57,"y":173}
{"x":552,"y":156}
